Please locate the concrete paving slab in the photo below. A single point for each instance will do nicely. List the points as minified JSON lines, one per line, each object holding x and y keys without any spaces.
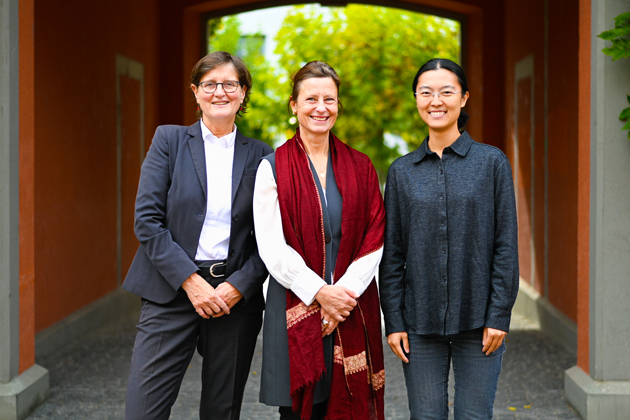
{"x":88,"y":379}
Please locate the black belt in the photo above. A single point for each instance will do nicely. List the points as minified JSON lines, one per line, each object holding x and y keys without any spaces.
{"x":215,"y":269}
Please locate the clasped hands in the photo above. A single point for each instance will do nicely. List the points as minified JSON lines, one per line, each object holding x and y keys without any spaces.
{"x":209,"y":301}
{"x":336,"y":304}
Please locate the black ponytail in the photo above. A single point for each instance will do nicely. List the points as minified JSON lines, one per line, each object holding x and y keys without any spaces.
{"x":462,"y":120}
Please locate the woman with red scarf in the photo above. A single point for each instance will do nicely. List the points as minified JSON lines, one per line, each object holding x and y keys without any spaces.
{"x":319,"y":219}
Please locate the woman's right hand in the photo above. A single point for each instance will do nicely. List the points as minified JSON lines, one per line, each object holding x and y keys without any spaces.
{"x":328,"y":323}
{"x":204,"y":298}
{"x":394,"y":340}
{"x":337,"y":301}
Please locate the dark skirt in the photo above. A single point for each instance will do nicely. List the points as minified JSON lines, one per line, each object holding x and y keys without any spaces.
{"x":275,"y":386}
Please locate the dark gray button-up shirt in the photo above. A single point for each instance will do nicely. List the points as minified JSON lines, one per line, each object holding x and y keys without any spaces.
{"x":450,"y":261}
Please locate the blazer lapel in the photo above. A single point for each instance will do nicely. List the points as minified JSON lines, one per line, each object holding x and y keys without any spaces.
{"x":240,"y":158}
{"x":198,"y":154}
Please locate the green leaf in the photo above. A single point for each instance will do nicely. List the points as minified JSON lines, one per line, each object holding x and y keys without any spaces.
{"x":620,"y":49}
{"x":625,"y":114}
{"x":622,"y":18}
{"x":615,"y":33}
{"x":628,"y":96}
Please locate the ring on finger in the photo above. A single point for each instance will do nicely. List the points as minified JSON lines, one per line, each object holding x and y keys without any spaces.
{"x":325,"y":322}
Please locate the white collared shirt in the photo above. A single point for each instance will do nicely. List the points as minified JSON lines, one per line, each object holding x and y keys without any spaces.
{"x":214,"y":240}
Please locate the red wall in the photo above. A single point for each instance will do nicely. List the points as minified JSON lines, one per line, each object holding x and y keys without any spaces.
{"x":563,"y":152}
{"x":75,"y":148}
{"x":557,"y":104}
{"x":525,"y":37}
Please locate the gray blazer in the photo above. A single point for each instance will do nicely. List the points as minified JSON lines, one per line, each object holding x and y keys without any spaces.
{"x":170,"y":210}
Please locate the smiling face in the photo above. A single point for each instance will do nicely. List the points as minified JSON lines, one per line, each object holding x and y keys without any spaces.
{"x":440,"y":113}
{"x":219,"y":108}
{"x":316,"y":106}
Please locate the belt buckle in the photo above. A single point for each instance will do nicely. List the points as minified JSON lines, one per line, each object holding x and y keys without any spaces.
{"x":215,"y":265}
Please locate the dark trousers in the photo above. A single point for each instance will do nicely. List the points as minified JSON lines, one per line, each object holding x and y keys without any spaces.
{"x":476,"y":375}
{"x":167,"y":337}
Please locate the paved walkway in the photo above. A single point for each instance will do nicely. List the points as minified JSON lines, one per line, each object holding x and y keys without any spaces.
{"x":88,"y":380}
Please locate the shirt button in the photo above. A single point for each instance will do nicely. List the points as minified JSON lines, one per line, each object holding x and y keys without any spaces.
{"x":443,"y":224}
{"x":443,"y":251}
{"x":441,"y":197}
{"x":232,"y":253}
{"x":444,"y":278}
{"x":327,"y":238}
{"x":235,"y":218}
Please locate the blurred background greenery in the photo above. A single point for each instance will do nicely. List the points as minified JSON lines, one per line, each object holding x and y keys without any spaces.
{"x":375,"y":50}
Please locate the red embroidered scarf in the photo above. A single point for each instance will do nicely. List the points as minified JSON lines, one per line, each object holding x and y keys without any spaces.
{"x":358,"y":375}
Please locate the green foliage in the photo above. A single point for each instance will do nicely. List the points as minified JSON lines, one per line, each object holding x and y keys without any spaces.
{"x":375,"y":50}
{"x":625,"y":116}
{"x":620,"y":43}
{"x":620,"y":48}
{"x":260,"y":121}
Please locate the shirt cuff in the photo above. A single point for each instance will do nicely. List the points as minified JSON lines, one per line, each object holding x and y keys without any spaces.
{"x":394,"y":322}
{"x":353,"y":283}
{"x":498,"y":319}
{"x":306,"y":285}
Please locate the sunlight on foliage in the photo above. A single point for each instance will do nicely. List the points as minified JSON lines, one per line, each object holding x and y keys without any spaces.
{"x":375,"y":50}
{"x":262,"y":120}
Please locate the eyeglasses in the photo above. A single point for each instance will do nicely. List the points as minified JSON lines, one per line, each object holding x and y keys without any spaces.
{"x":426,"y":94}
{"x":229,"y":86}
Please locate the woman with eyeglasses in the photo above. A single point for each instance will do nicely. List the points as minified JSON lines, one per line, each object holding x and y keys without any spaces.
{"x":449,"y":274}
{"x":197,"y":268}
{"x":319,"y":220}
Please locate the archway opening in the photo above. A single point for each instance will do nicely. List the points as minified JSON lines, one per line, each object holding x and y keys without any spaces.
{"x":375,"y":50}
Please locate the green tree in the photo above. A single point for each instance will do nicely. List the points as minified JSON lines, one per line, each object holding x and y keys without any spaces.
{"x":261,"y":120}
{"x":376,"y":51}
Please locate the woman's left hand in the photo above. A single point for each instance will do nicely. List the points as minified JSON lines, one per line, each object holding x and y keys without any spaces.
{"x":337,"y":301}
{"x":492,"y":340}
{"x":230,"y":295}
{"x":328,"y":323}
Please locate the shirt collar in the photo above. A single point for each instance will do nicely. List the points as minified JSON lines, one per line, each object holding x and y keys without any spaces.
{"x":460,"y":146}
{"x":226,"y":141}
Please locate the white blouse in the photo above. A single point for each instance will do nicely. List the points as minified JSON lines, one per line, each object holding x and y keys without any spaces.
{"x":282,"y":261}
{"x":214,"y":240}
